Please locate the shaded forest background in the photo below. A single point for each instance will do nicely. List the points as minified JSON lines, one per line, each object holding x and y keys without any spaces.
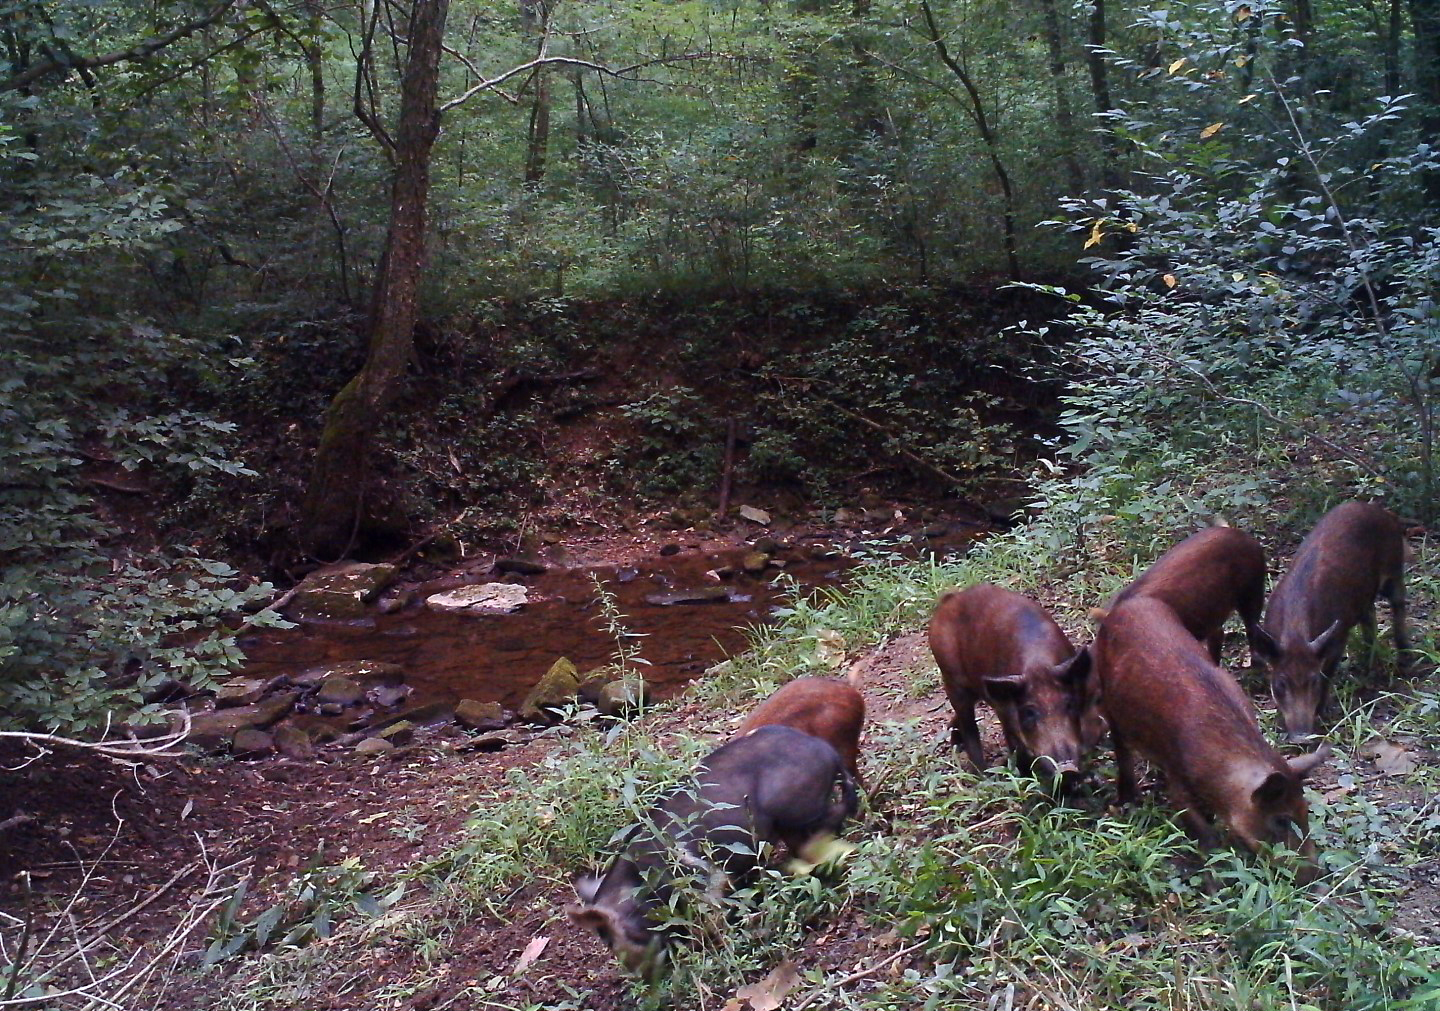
{"x":282,"y":281}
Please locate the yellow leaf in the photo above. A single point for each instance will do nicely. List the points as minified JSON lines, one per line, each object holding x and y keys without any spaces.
{"x":1170,"y":280}
{"x":1211,"y":130}
{"x":1177,"y":65}
{"x":1095,"y":235}
{"x":1248,"y":98}
{"x":1240,"y":61}
{"x":1242,"y":14}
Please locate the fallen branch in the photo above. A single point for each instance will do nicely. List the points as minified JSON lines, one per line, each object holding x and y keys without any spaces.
{"x":159,"y":747}
{"x":830,"y":987}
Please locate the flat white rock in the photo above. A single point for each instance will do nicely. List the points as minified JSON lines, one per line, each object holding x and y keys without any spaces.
{"x":484,"y":598}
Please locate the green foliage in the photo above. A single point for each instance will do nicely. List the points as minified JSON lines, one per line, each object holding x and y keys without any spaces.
{"x":317,"y":899}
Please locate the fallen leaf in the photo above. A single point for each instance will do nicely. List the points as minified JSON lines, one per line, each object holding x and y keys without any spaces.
{"x":768,"y":994}
{"x":1211,"y":130}
{"x":1177,"y":65}
{"x":829,"y":647}
{"x":185,"y":811}
{"x":1391,"y":759}
{"x":531,"y":953}
{"x":1170,"y":280}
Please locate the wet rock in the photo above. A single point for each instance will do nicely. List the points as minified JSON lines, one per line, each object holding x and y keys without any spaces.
{"x":766,"y":545}
{"x":494,"y":741}
{"x":485,"y":598}
{"x":620,"y":698}
{"x":755,"y":562}
{"x":626,"y":575}
{"x":388,"y":696}
{"x":428,"y":715}
{"x":934,"y":531}
{"x":339,"y":591}
{"x":755,"y":515}
{"x":292,"y":742}
{"x":239,"y":692}
{"x":330,"y":709}
{"x":556,"y":689}
{"x":251,"y":742}
{"x":361,"y":720}
{"x":395,"y":602}
{"x":319,"y":731}
{"x":481,"y":716}
{"x":341,"y":691}
{"x":594,"y":681}
{"x":700,"y":595}
{"x":669,"y":549}
{"x":521,"y":566}
{"x":373,"y":746}
{"x":822,"y":552}
{"x":356,"y":670}
{"x":214,"y":730}
{"x":397,"y":733}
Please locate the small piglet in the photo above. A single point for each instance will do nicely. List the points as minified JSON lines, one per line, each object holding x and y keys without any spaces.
{"x":1355,"y":553}
{"x":776,"y":784}
{"x":1204,"y":579}
{"x":1167,"y":701}
{"x":993,"y":644}
{"x":829,"y":709}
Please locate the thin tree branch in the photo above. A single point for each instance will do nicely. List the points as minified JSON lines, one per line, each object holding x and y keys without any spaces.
{"x":570,"y":61}
{"x":139,"y":51}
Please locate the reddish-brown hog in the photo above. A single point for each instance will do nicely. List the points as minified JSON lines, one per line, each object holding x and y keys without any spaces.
{"x":831,"y":710}
{"x":1000,"y":646}
{"x":1168,"y":702}
{"x":1355,"y":553}
{"x":1204,"y":579}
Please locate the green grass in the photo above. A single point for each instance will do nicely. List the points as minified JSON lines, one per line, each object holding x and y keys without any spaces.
{"x":1000,"y":897}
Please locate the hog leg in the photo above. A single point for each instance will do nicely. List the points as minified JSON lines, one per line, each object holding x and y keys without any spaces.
{"x":1368,"y":636}
{"x":1394,"y":591}
{"x":965,"y":734}
{"x":1251,"y":606}
{"x":1215,"y":640}
{"x":1124,"y":768}
{"x":1192,"y":817}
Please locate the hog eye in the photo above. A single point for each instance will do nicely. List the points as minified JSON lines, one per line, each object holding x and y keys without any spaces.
{"x":1029,"y":717}
{"x":606,"y":936}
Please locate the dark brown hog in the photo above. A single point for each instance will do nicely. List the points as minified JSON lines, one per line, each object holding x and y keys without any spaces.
{"x":774,"y":785}
{"x":993,"y":644}
{"x":1167,"y":701}
{"x":1355,"y":553}
{"x":829,"y":709}
{"x":1204,"y":579}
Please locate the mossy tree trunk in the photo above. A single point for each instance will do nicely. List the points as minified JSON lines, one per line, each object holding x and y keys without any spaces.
{"x":334,"y":500}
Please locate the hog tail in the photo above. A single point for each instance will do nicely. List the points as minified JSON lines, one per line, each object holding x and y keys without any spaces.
{"x":1097,"y":615}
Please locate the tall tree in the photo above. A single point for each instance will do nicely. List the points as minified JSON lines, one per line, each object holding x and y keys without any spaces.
{"x":1100,"y":88}
{"x":1064,"y":117}
{"x":333,"y":497}
{"x":1425,"y":23}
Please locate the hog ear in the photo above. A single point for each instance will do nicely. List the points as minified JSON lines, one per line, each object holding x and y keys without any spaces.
{"x":1263,"y":644}
{"x":1303,"y":765}
{"x":587,"y":916}
{"x":586,"y":885}
{"x":1007,"y":689}
{"x":1272,"y":791}
{"x":1323,"y":639}
{"x":1076,"y":670}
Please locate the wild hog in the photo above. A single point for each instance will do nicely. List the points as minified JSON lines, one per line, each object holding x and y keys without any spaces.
{"x":1355,"y":553}
{"x":1000,"y":646}
{"x":831,"y":710}
{"x":776,"y":784}
{"x":1167,"y":701}
{"x":1204,"y":579}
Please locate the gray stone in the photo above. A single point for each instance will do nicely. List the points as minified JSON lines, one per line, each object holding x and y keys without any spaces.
{"x":374,"y":746}
{"x":239,"y":692}
{"x":428,"y":715}
{"x":522,"y":566}
{"x":214,"y":730}
{"x":755,"y":562}
{"x":339,"y":591}
{"x":250,"y":741}
{"x":292,"y":742}
{"x":620,"y":698}
{"x":700,"y":595}
{"x":399,"y":732}
{"x":755,"y":515}
{"x":394,"y":602}
{"x":482,"y":716}
{"x":376,"y":671}
{"x":766,"y":545}
{"x":485,"y":598}
{"x":388,"y":696}
{"x":494,"y":740}
{"x":340,"y":690}
{"x":669,"y":549}
{"x":594,"y":681}
{"x":330,"y":709}
{"x":557,"y":688}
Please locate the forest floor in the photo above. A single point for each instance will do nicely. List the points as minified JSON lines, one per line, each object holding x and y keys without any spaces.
{"x":116,"y":854}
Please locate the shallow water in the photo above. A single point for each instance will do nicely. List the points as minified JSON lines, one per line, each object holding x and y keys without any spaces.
{"x":447,"y":657}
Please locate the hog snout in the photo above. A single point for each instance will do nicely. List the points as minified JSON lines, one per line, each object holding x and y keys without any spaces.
{"x":1301,"y":737}
{"x":1064,"y":772}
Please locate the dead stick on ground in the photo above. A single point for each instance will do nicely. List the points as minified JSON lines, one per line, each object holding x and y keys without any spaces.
{"x":725,"y":476}
{"x":830,"y":987}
